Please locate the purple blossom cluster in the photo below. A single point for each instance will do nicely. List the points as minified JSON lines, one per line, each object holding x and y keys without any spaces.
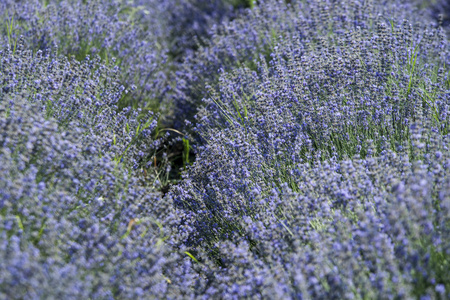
{"x":321,"y":134}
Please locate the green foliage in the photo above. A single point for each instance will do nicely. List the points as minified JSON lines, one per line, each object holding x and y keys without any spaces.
{"x":12,"y":38}
{"x":186,"y":150}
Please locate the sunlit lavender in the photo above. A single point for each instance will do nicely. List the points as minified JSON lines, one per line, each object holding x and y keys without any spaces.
{"x":224,"y":149}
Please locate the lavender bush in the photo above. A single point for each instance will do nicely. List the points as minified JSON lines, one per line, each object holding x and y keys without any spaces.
{"x":289,"y":145}
{"x":74,"y":225}
{"x":129,"y":31}
{"x":77,"y":218}
{"x":84,"y":92}
{"x":142,"y":35}
{"x":257,"y":32}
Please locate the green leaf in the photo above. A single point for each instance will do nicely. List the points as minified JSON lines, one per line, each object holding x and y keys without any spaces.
{"x":186,"y":151}
{"x":19,"y":221}
{"x":191,"y":256}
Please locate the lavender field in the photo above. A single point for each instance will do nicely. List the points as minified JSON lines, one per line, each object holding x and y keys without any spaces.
{"x":225,"y":149}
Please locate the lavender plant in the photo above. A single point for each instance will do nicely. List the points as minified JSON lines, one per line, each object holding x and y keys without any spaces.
{"x":241,"y":42}
{"x":86,"y":93}
{"x":74,"y":224}
{"x":336,"y":143}
{"x":373,"y":227}
{"x":359,"y":228}
{"x":144,"y":36}
{"x":76,"y":221}
{"x":129,"y":31}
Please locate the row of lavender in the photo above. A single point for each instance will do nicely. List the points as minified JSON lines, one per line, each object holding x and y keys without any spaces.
{"x":323,"y":171}
{"x":321,"y":132}
{"x":81,"y":213}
